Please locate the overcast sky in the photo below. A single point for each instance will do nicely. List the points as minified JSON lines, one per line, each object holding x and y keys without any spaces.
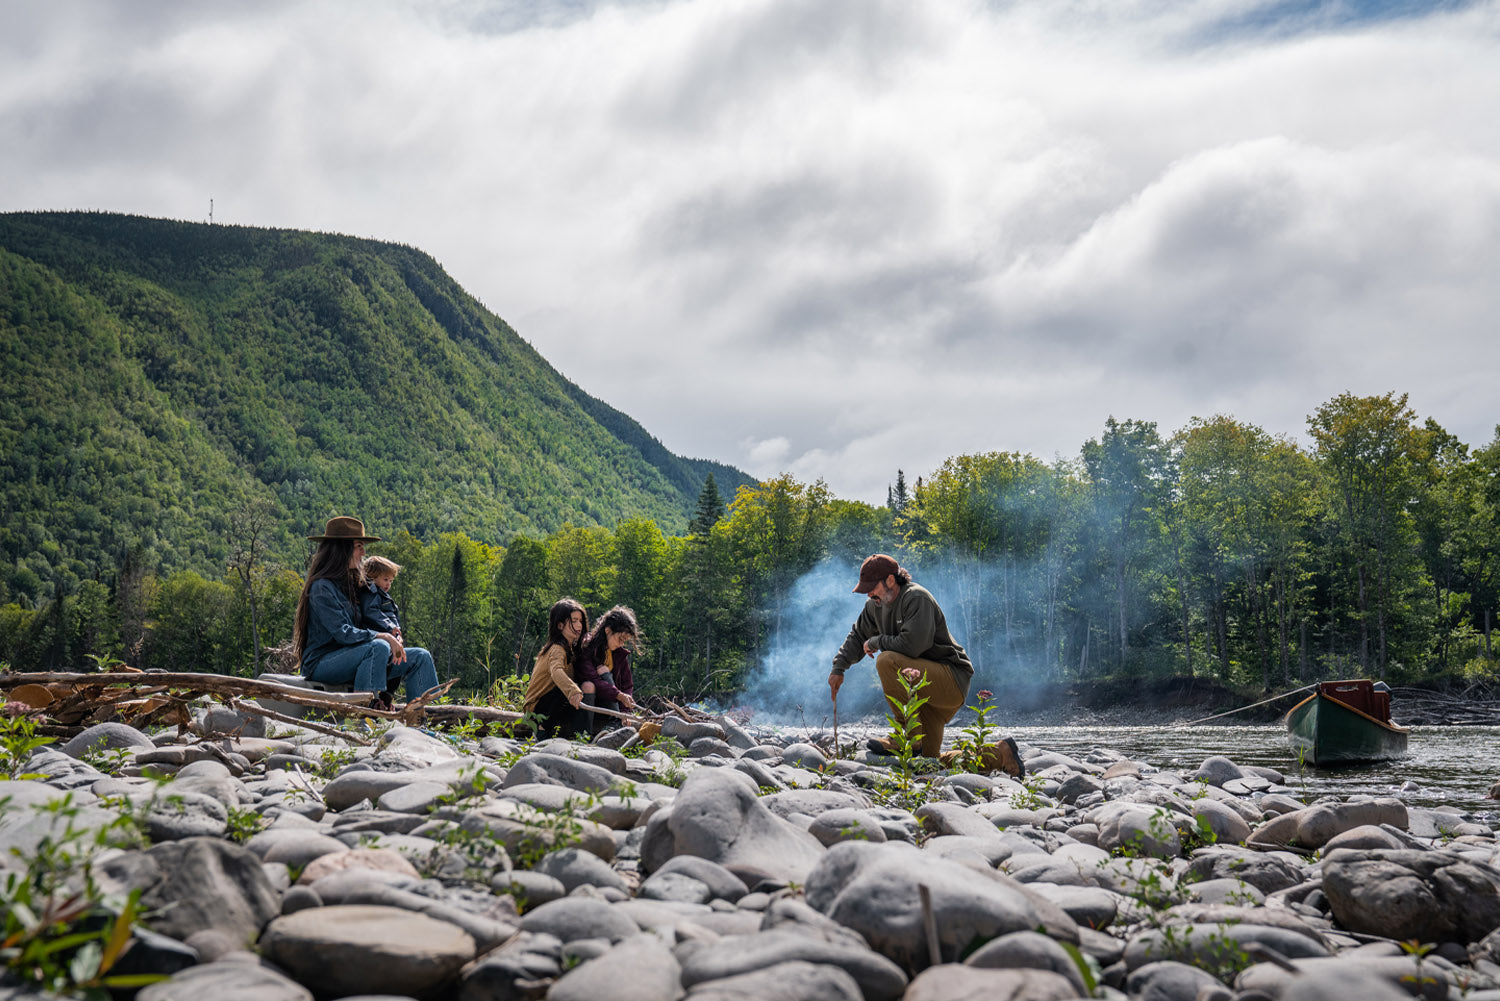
{"x":837,"y":237}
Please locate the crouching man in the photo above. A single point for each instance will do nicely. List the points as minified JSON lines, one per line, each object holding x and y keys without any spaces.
{"x":903,"y":628}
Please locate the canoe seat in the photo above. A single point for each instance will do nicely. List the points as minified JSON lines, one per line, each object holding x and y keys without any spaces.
{"x":1362,"y":695}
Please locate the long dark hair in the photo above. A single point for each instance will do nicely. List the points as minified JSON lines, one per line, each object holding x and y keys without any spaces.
{"x":562,"y":611}
{"x":618,"y":620}
{"x":330,"y":561}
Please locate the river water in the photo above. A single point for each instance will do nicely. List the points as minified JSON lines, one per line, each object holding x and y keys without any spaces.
{"x":1447,"y":766}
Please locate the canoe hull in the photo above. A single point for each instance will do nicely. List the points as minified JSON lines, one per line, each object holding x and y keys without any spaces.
{"x":1325,"y":731}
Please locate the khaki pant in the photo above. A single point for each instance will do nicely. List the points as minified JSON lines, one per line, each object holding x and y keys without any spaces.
{"x":941,"y":691}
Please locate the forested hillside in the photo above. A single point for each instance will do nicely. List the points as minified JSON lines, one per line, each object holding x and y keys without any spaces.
{"x":182,"y":403}
{"x":167,"y":381}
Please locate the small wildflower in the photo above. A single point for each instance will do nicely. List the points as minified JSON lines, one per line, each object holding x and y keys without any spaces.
{"x":984,"y":695}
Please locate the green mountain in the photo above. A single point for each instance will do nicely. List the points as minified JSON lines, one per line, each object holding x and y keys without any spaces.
{"x":161,"y":379}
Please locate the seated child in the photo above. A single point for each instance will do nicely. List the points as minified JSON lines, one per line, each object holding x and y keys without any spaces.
{"x":378,"y":609}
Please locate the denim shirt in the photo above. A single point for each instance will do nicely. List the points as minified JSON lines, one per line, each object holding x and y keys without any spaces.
{"x":330,"y":623}
{"x":379,"y":610}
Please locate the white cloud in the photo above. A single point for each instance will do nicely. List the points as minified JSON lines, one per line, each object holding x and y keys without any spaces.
{"x":839,"y":236}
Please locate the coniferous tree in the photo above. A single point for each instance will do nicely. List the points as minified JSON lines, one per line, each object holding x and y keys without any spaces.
{"x":710,"y":508}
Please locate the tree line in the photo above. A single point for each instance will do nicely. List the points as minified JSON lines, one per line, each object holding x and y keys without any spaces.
{"x":1220,"y":550}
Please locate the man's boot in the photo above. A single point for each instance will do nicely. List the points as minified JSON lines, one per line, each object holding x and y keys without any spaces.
{"x":1008,"y":757}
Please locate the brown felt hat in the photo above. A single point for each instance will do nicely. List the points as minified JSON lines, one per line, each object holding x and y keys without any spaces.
{"x":344,"y":528}
{"x":874,"y":570}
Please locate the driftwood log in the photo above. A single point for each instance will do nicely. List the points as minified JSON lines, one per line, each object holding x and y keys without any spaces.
{"x":66,"y":703}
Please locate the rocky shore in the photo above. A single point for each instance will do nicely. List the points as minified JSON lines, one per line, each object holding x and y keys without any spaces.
{"x":724,"y":863}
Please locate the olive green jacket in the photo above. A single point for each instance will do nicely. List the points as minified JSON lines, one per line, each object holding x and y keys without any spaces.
{"x":913,"y":626}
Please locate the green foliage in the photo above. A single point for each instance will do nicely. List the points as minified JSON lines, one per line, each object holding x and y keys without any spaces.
{"x":975,"y":737}
{"x":550,"y":831}
{"x":184,"y":403}
{"x":903,"y":790}
{"x":58,"y":932}
{"x":245,"y":824}
{"x":162,"y":375}
{"x":18,"y":738}
{"x":332,"y":760}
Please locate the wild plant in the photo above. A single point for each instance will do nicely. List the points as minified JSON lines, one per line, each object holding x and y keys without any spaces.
{"x":901,"y":788}
{"x":59,"y":932}
{"x":18,"y":738}
{"x":972,"y":739}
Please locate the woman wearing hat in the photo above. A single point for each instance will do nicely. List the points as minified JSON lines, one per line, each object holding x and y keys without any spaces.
{"x":329,"y":641}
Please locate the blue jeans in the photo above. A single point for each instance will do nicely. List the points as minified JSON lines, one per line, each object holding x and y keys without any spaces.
{"x":368,"y":667}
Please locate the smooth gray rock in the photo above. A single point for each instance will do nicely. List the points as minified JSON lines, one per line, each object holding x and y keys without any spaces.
{"x":1027,"y":950}
{"x":530,"y":889}
{"x":637,"y":969}
{"x":952,"y":982}
{"x":573,"y":867}
{"x":951,"y":818}
{"x":723,"y":884}
{"x":1169,"y":981}
{"x":1266,"y":871}
{"x":1363,"y":973}
{"x":811,"y":802}
{"x":294,"y":846}
{"x":32,"y":816}
{"x":1364,"y":837}
{"x":553,"y":769}
{"x":872,"y":889}
{"x":1211,"y":944}
{"x":487,"y":919}
{"x":1075,"y":787}
{"x":175,"y":816}
{"x":735,"y":734}
{"x":418,"y":798}
{"x":579,"y":917}
{"x":1314,"y":826}
{"x":364,"y":949}
{"x":517,"y":971}
{"x":104,"y":737}
{"x":1341,"y":985}
{"x":1138,"y":828}
{"x":1216,"y":770}
{"x":709,"y":747}
{"x":350,"y":788}
{"x":1433,"y":896}
{"x":792,"y":981}
{"x":199,"y":883}
{"x":1224,"y":891}
{"x":685,"y":733}
{"x":878,"y":978}
{"x":1226,"y":823}
{"x":1089,"y":906}
{"x":718,"y":816}
{"x":675,"y":886}
{"x":607,"y":758}
{"x":219,"y":720}
{"x":1050,"y":869}
{"x":227,"y":981}
{"x":802,"y":755}
{"x":846,"y":824}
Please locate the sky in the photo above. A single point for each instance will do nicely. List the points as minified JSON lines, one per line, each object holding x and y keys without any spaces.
{"x":840,"y":237}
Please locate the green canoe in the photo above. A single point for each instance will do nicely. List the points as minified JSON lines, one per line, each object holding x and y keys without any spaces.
{"x":1345,"y":721}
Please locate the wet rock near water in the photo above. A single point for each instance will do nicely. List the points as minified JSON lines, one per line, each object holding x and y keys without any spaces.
{"x":735,"y":862}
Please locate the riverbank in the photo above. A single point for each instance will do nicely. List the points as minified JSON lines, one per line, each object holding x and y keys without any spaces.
{"x":735,"y":862}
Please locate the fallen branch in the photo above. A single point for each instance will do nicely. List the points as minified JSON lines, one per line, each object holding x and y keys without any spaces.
{"x":254,"y":710}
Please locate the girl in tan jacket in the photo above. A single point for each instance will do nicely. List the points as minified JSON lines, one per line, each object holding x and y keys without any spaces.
{"x":553,"y":694}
